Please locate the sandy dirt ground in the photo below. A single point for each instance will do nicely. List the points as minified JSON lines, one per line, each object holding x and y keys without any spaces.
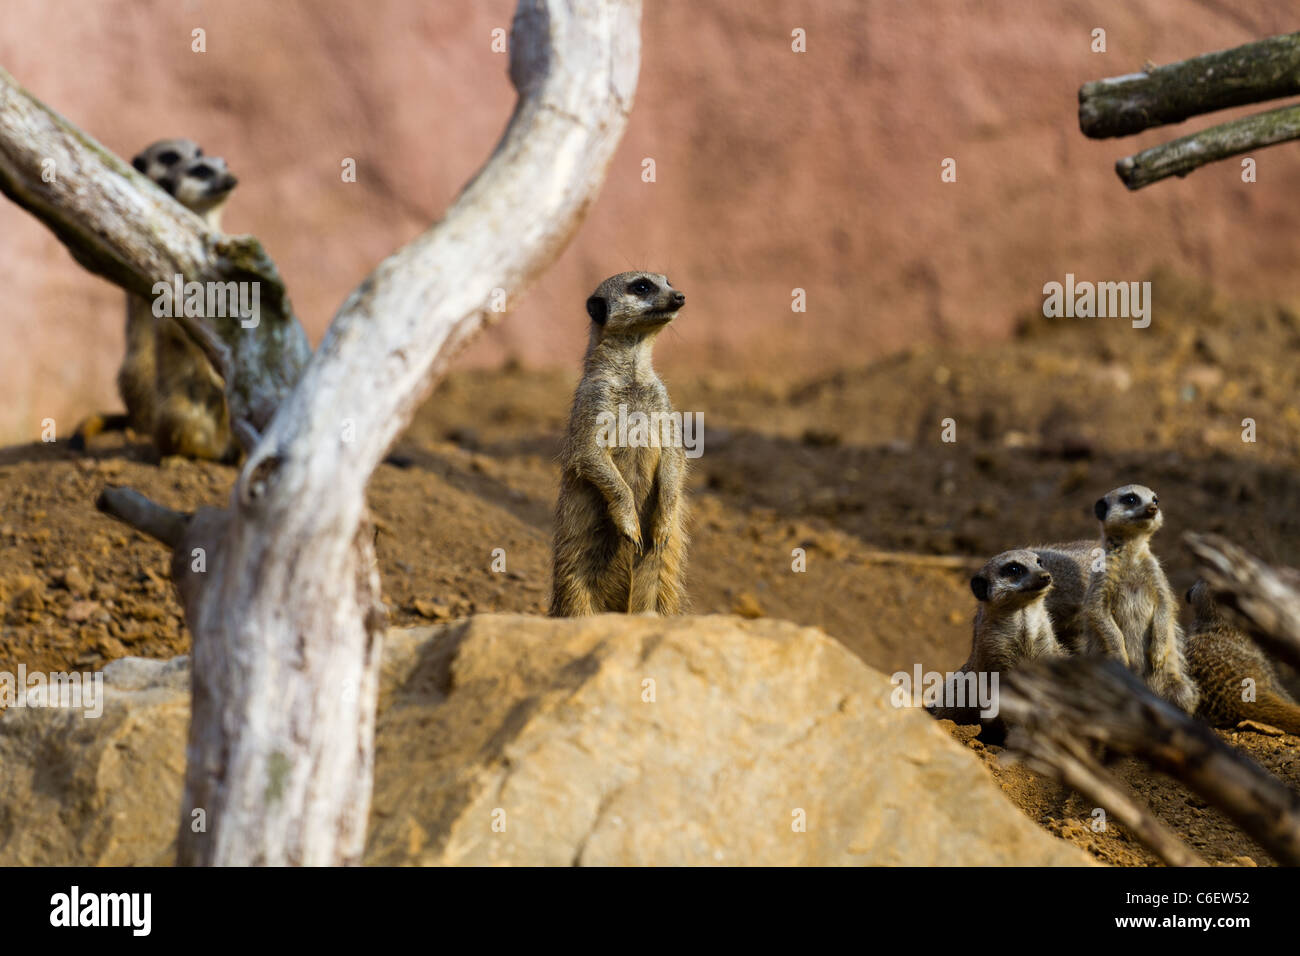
{"x":848,"y":466}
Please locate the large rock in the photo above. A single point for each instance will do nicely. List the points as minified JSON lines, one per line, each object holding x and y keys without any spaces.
{"x":106,"y":790}
{"x":609,"y":740}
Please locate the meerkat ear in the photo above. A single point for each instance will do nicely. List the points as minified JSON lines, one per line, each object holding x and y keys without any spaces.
{"x":1099,"y":509}
{"x":598,"y":309}
{"x":980,"y":586}
{"x":139,"y":163}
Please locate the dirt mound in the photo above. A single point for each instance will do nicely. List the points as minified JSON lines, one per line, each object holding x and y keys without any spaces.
{"x":850,"y":467}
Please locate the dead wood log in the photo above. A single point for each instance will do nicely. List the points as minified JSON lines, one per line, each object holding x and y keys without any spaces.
{"x":1267,"y":598}
{"x":1181,"y":156}
{"x":281,"y":590}
{"x":1251,"y":73}
{"x":1074,"y":702}
{"x":1068,"y":760}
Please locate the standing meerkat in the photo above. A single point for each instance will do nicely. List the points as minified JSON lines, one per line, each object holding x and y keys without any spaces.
{"x":1130,"y":612}
{"x":1221,"y":657}
{"x":620,"y":536}
{"x":1011,"y":624}
{"x":190,"y":417}
{"x":170,"y":389}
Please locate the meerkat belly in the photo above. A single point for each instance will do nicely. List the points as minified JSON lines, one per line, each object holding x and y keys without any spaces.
{"x":135,"y":377}
{"x":1135,"y":614}
{"x":641,"y":412}
{"x":638,"y":467}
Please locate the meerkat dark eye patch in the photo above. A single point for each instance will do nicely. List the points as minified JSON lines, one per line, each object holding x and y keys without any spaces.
{"x":979,"y":585}
{"x":169,"y":157}
{"x":203,"y":172}
{"x":641,"y":287}
{"x":1129,"y":500}
{"x":1013,"y":570}
{"x":1099,"y":509}
{"x":598,"y":309}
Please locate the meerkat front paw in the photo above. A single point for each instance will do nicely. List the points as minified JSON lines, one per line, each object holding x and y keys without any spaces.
{"x":1177,"y":689}
{"x":629,"y":526}
{"x":660,"y":532}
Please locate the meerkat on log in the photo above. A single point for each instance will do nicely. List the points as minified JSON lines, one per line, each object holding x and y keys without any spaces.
{"x":1222,"y":658}
{"x":1129,"y":611}
{"x":170,"y":389}
{"x":620,"y":537}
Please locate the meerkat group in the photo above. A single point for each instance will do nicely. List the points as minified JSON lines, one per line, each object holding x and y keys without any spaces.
{"x":171,"y":391}
{"x":1110,"y":597}
{"x":620,"y":536}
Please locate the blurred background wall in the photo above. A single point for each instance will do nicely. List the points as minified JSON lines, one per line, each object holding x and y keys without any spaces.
{"x":775,"y":170}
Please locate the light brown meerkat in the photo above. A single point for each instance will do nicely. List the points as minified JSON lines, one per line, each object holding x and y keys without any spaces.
{"x":170,"y":389}
{"x":620,"y":536}
{"x":1221,"y":658}
{"x":190,"y":417}
{"x":1011,"y":626}
{"x":1130,"y":612}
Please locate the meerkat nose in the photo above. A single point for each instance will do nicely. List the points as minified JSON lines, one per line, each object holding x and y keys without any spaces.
{"x":1152,"y":508}
{"x":230,"y":182}
{"x":679,"y":298}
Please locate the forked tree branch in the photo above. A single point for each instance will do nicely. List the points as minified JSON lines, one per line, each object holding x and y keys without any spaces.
{"x":1263,"y":70}
{"x":280,"y":590}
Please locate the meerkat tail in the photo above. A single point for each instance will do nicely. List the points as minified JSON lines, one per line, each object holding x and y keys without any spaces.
{"x":97,"y":425}
{"x":1274,"y":710}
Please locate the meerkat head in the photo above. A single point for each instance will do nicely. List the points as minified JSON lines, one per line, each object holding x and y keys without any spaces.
{"x":633,"y":303}
{"x":1205,"y":610}
{"x":1129,"y":511}
{"x":160,"y":158}
{"x":200,"y":184}
{"x":1012,"y":580}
